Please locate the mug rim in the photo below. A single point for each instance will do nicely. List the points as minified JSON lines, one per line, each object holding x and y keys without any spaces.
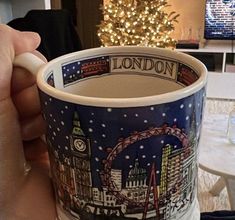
{"x":125,"y":102}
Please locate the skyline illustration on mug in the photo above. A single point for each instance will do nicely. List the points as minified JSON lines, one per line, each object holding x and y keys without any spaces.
{"x":131,"y":163}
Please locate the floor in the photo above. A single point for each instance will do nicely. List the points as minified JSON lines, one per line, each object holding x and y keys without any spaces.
{"x":207,"y":201}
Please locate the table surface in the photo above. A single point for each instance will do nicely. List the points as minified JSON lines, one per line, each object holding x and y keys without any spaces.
{"x":221,"y":85}
{"x":216,"y":153}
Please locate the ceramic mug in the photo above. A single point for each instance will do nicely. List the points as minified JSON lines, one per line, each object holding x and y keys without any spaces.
{"x":123,"y":131}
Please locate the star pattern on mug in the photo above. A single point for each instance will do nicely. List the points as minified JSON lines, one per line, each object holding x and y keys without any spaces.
{"x":98,"y":126}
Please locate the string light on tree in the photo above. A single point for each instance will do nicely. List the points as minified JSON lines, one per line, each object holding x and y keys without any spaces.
{"x":137,"y":22}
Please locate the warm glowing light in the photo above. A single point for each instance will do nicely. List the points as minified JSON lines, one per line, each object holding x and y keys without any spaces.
{"x":137,"y":22}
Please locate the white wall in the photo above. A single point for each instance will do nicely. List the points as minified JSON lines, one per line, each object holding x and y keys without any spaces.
{"x":21,"y":7}
{"x":10,"y":9}
{"x":191,"y":15}
{"x":5,"y":11}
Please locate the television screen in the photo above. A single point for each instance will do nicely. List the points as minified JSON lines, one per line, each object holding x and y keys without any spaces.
{"x":220,"y":19}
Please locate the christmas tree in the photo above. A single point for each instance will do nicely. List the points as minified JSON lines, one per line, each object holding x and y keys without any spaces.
{"x":137,"y":22}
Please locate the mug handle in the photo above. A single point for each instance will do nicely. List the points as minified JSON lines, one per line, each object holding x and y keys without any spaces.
{"x":31,"y":63}
{"x":28,"y":61}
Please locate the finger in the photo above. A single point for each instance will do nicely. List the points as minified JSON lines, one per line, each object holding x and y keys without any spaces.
{"x":13,"y":42}
{"x":27,"y":102}
{"x":17,"y":42}
{"x":25,"y":41}
{"x":22,"y":78}
{"x":35,"y":150}
{"x":32,"y":128}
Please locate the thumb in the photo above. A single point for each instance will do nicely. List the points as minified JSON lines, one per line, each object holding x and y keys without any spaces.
{"x":13,"y":42}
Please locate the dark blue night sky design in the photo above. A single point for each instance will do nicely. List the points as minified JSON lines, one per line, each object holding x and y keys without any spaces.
{"x":105,"y":126}
{"x":79,"y":69}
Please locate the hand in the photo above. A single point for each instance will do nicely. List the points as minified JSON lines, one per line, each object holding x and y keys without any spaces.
{"x":23,"y":195}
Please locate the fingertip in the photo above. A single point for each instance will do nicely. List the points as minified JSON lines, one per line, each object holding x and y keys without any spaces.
{"x":27,"y":42}
{"x":14,"y":42}
{"x":35,"y":37}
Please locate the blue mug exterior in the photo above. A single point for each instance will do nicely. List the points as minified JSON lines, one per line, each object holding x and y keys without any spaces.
{"x":137,"y":162}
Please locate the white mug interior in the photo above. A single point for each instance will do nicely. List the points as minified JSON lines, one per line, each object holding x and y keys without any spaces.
{"x":123,"y":85}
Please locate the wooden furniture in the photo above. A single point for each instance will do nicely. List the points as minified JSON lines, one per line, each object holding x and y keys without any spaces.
{"x":221,"y":80}
{"x":222,"y":53}
{"x":216,"y":153}
{"x":56,"y":4}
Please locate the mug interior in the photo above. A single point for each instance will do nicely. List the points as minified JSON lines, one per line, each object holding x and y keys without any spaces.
{"x":123,"y":72}
{"x":123,"y":85}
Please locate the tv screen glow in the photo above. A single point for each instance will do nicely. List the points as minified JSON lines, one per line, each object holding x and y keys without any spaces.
{"x":220,"y":19}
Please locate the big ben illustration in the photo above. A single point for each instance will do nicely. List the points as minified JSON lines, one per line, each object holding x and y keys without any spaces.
{"x":81,"y":155}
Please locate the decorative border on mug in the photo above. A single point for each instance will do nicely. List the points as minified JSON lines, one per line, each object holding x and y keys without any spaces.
{"x":50,"y":79}
{"x":161,"y":67}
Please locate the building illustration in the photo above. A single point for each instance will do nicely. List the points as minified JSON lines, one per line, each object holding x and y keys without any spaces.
{"x":81,"y":154}
{"x":159,"y":190}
